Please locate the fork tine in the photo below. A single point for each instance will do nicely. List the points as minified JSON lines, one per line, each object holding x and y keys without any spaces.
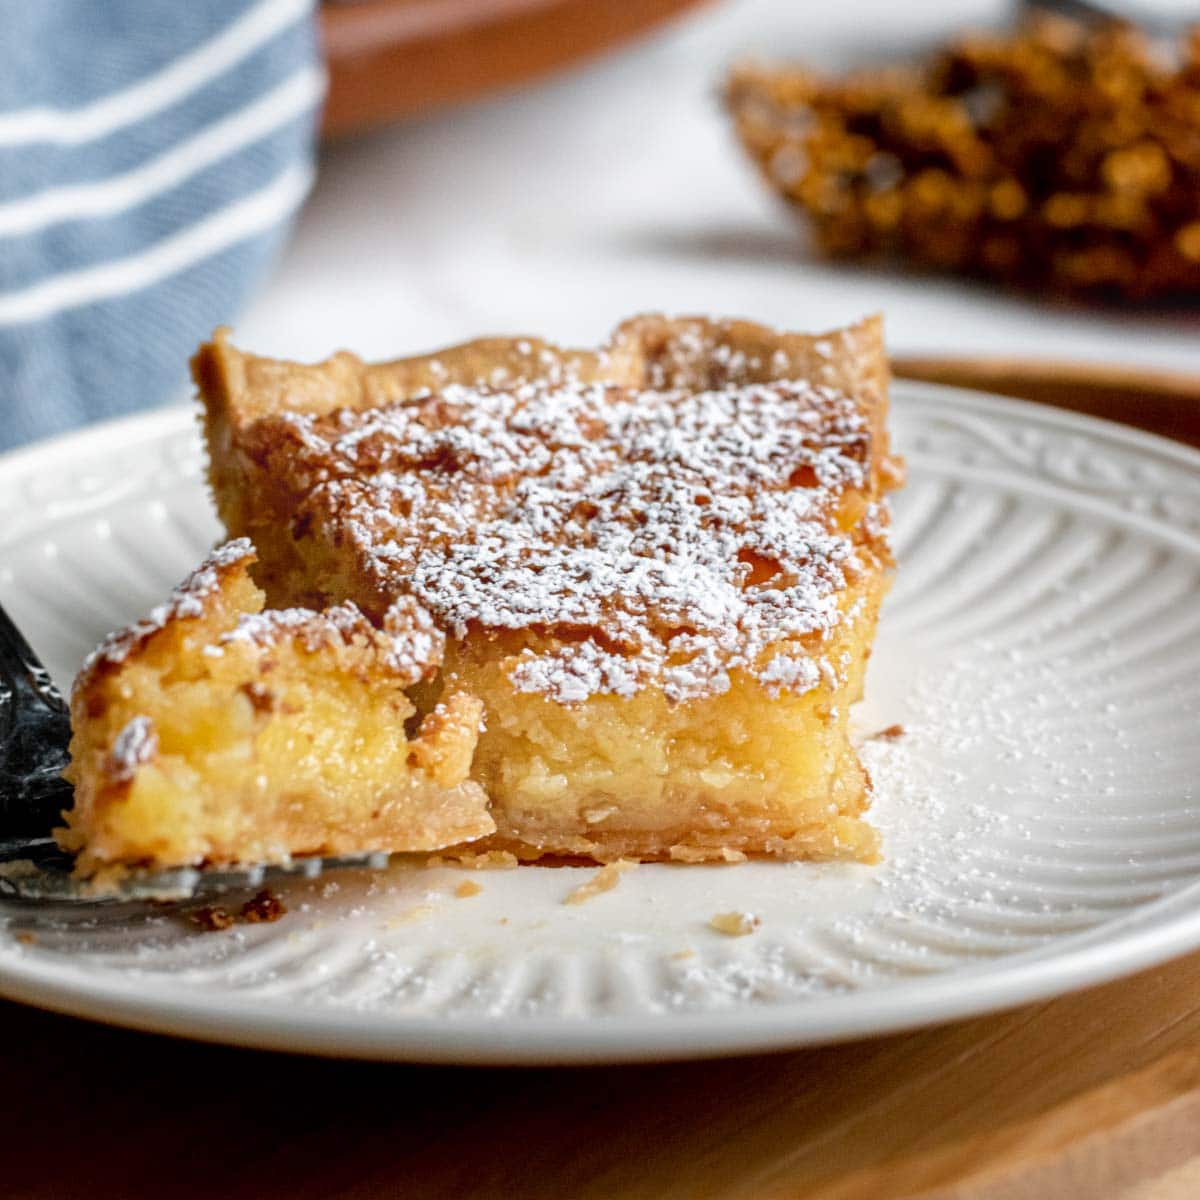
{"x":35,"y":730}
{"x":38,"y":877}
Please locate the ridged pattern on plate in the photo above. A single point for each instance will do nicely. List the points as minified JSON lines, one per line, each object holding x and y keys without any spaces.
{"x":1041,"y":648}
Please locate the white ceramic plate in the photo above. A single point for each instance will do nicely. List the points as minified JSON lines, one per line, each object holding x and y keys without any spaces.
{"x":1040,"y":816}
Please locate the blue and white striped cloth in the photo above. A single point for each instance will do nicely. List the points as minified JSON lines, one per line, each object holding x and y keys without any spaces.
{"x":152,"y":154}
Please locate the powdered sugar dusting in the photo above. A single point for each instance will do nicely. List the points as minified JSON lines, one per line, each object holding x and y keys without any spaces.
{"x":311,"y":628}
{"x":791,"y":673}
{"x":410,"y":645}
{"x":666,"y":536}
{"x":417,"y":643}
{"x":186,"y":601}
{"x":137,"y":743}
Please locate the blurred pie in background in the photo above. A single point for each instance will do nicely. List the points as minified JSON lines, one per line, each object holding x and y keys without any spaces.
{"x":1062,"y":157}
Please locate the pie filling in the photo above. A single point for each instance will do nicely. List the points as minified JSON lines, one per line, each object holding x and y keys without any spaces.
{"x":214,"y":732}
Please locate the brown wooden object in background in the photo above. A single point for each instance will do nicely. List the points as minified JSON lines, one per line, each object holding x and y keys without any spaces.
{"x":1162,"y":402}
{"x":390,"y":58}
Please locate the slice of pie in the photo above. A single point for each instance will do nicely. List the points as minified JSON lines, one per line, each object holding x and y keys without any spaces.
{"x":216,"y":733}
{"x":658,"y":566}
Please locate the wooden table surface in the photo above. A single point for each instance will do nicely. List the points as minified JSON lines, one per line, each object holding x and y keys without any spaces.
{"x":1086,"y":1097}
{"x":1089,"y":1096}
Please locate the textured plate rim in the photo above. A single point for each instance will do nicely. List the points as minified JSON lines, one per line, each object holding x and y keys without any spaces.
{"x":1099,"y":956}
{"x":564,"y":1041}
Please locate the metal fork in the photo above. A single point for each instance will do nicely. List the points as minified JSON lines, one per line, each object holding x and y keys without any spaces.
{"x":35,"y":730}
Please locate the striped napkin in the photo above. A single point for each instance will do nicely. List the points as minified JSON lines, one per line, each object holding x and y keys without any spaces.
{"x":152,"y":155}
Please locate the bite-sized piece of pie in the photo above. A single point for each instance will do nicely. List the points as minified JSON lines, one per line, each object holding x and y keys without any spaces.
{"x":216,"y":733}
{"x":658,"y":565}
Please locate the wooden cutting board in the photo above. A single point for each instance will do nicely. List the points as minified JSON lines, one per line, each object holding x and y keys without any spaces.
{"x":1094,"y":1096}
{"x":390,"y":58}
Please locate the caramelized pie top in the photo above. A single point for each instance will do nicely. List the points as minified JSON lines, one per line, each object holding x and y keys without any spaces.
{"x":658,"y":536}
{"x":692,"y":499}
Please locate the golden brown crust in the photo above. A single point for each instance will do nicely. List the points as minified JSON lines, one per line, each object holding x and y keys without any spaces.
{"x":237,"y":388}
